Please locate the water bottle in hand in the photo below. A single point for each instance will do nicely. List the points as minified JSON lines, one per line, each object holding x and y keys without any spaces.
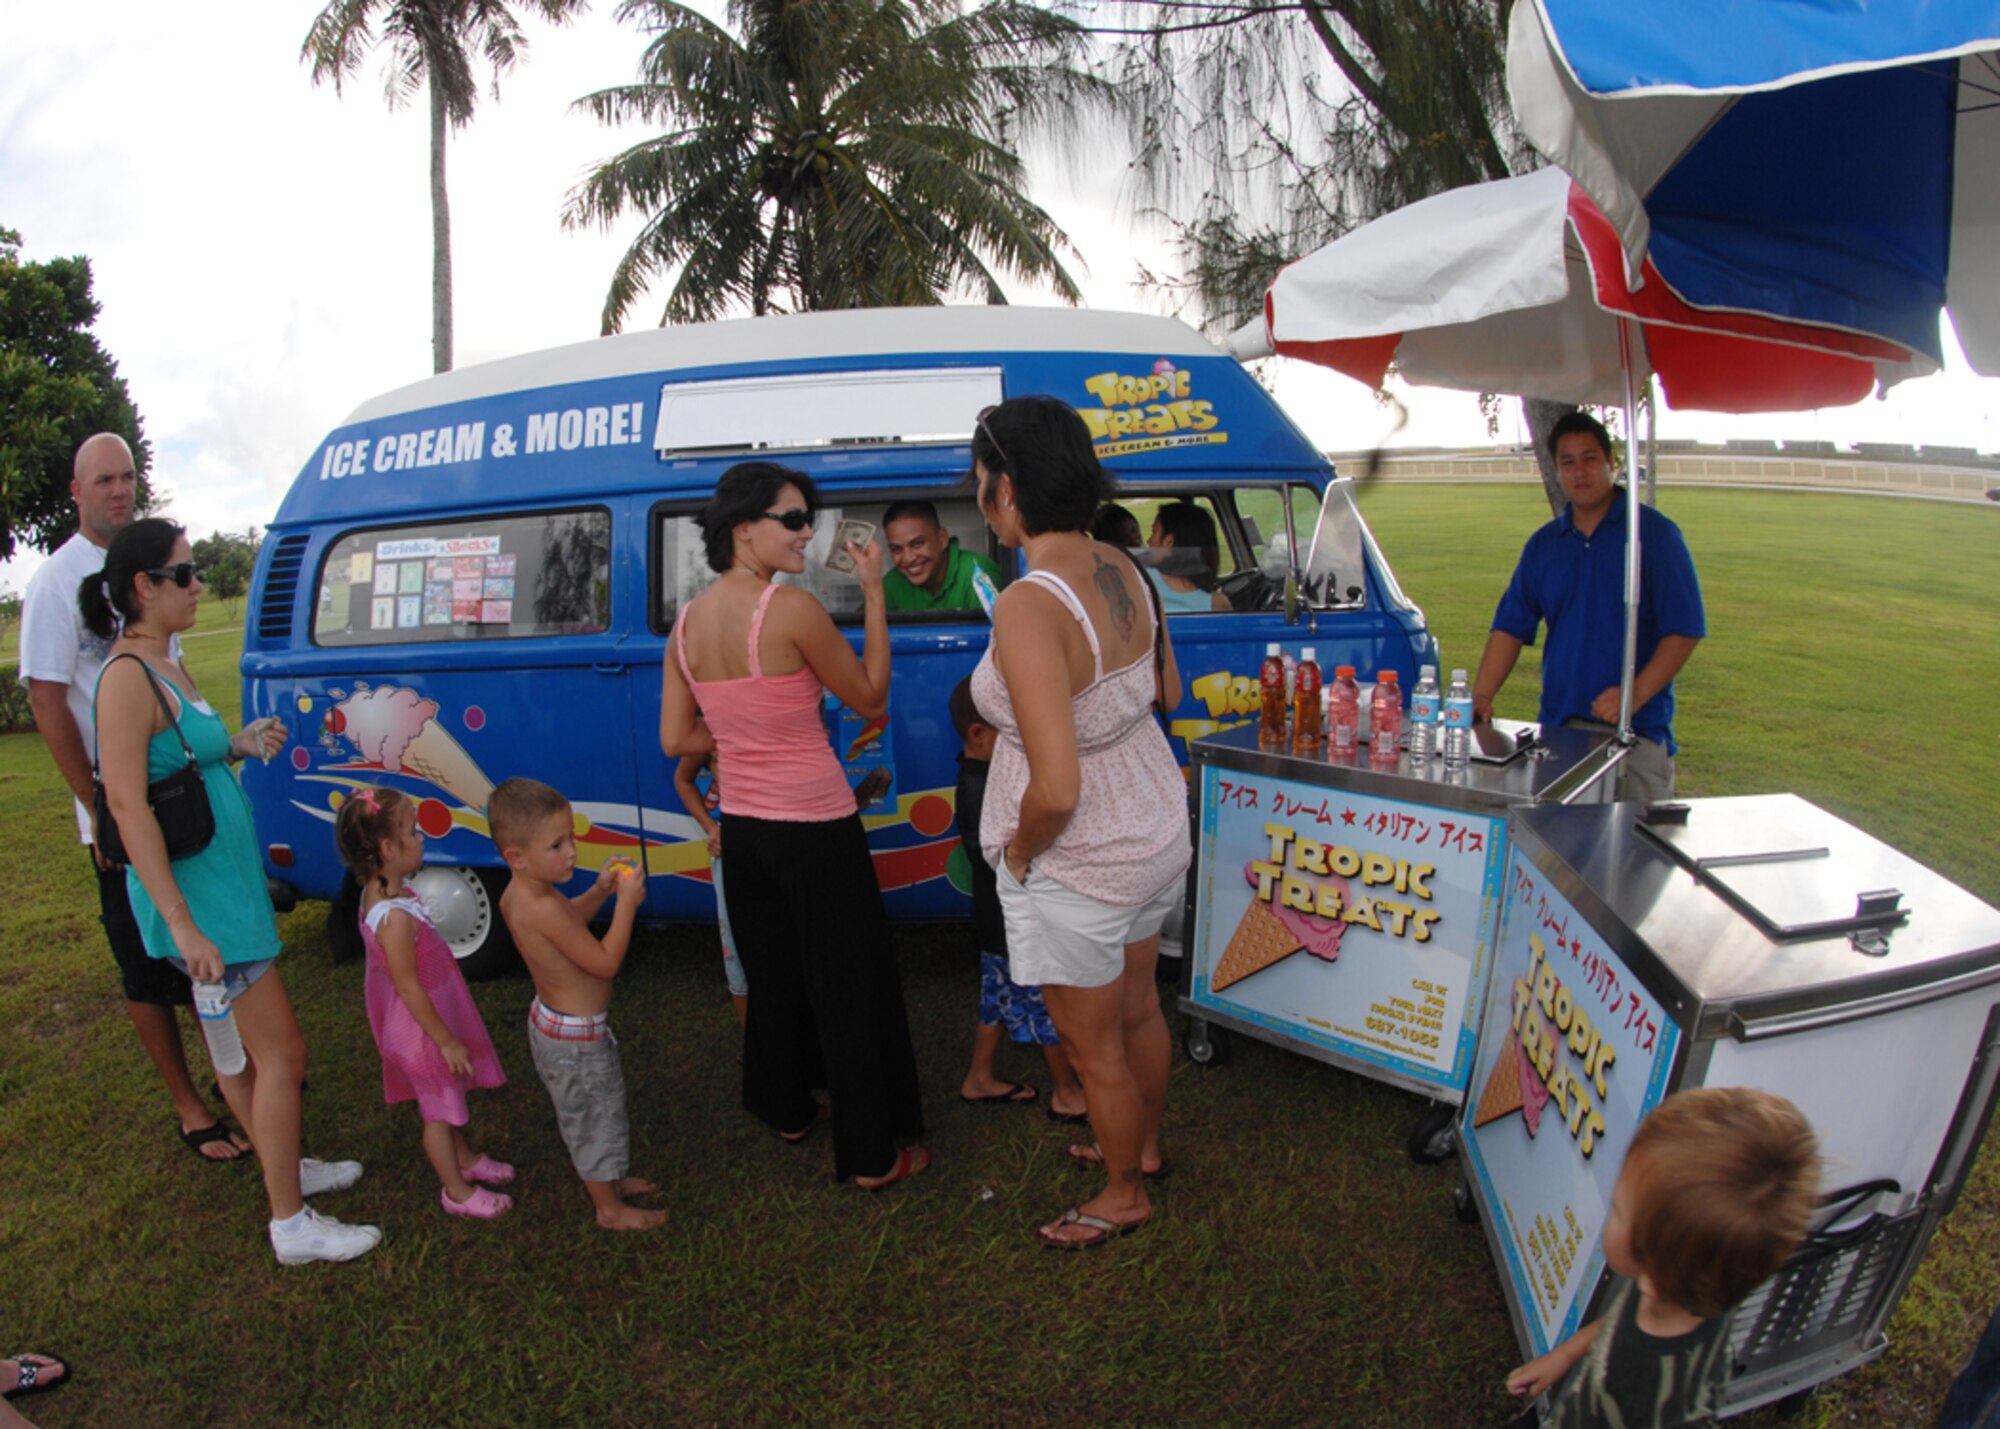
{"x":1425,"y":711}
{"x":1457,"y":720}
{"x":218,"y":1028}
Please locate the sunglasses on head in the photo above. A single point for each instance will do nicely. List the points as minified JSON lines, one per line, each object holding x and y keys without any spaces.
{"x":998,"y":450}
{"x":182,"y":575}
{"x":797,"y":519}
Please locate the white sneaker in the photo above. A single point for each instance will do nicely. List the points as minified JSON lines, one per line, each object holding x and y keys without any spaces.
{"x":316,"y":1176}
{"x":321,"y":1237}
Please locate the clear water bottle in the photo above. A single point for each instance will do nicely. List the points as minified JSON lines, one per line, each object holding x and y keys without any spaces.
{"x":1343,"y":712}
{"x":1457,"y":720}
{"x":1426,"y":709}
{"x":982,"y":586}
{"x":218,"y":1028}
{"x":1385,"y":718}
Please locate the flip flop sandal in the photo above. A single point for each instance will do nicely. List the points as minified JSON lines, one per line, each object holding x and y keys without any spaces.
{"x":489,"y":1172}
{"x":1070,"y":1118}
{"x":195,"y":1140}
{"x":797,"y":1138}
{"x":1091,"y":1154}
{"x":481,"y":1205}
{"x":907,"y":1165}
{"x":29,"y":1367}
{"x":1074,"y":1216}
{"x":1010,"y":1095}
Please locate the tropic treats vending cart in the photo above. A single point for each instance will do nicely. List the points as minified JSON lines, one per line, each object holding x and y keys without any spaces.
{"x":1756,"y":942}
{"x":1345,"y":910}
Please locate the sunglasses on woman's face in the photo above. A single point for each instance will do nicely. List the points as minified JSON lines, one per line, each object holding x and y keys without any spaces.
{"x":797,"y":519}
{"x":182,"y":575}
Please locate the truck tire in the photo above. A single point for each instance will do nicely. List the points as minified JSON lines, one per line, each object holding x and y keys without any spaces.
{"x":465,"y":902}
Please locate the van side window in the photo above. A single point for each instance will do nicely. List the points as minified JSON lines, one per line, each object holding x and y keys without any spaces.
{"x":1190,"y":574}
{"x":538,"y":573}
{"x":682,"y":569}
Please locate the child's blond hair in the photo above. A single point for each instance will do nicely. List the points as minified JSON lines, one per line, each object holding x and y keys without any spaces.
{"x":1725,"y":1182}
{"x":513,"y":810}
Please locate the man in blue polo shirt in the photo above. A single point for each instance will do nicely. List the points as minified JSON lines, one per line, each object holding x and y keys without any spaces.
{"x":1571,"y":576}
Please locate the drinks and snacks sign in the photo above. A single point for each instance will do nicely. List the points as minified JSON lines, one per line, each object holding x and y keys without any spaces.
{"x":1573,"y":1052}
{"x":1352,"y":923}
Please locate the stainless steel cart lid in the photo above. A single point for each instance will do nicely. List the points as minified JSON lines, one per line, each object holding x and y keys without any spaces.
{"x":1766,"y":908}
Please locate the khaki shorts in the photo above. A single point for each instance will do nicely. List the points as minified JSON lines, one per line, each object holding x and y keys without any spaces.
{"x":587,"y":1086}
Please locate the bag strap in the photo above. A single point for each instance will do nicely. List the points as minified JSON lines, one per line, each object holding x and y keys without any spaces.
{"x":1159,"y":637}
{"x":153,"y":680}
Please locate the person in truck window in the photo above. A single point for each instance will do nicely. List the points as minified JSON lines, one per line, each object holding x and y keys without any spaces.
{"x":932,"y":571}
{"x":1183,"y":540}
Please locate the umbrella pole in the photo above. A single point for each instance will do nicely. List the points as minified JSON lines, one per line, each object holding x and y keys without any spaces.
{"x":1626,"y":672}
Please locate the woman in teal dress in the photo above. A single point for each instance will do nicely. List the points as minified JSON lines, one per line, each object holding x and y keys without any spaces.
{"x":209,"y":912}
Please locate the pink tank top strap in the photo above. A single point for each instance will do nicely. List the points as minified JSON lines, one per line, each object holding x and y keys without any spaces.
{"x":1053,"y":582}
{"x":679,"y":641}
{"x":757,"y":629}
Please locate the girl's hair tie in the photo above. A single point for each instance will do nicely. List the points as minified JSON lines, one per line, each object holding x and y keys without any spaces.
{"x":366,"y":799}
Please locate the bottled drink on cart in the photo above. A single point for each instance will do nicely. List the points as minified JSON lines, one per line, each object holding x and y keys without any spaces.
{"x":218,"y":1028}
{"x":1343,"y":710}
{"x":1385,"y":718}
{"x":1305,"y":703}
{"x":1271,"y":680}
{"x":1457,"y":720}
{"x":1425,"y":711}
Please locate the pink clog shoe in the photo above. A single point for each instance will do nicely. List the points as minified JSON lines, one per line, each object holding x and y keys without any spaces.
{"x":482,"y":1204}
{"x":489,"y":1172}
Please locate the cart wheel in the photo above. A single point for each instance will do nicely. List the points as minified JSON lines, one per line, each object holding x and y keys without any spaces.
{"x":1435,"y":1136}
{"x":1462,"y":1204}
{"x":1206,"y":1046}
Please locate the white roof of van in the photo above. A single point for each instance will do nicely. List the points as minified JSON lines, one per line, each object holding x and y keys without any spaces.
{"x":860,"y":333}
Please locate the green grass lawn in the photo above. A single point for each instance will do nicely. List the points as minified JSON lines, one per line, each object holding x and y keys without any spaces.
{"x":1299,"y":1269}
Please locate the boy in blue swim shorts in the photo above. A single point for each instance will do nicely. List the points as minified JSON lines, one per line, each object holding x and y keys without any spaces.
{"x":1004,"y":1005}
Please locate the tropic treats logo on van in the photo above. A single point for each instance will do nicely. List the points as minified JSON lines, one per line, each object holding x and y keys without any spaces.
{"x":1149,"y":412}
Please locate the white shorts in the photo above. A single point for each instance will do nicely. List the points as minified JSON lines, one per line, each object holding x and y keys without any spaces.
{"x":1057,"y":935}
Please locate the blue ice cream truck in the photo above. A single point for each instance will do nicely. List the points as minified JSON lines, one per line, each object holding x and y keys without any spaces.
{"x":474,"y":576}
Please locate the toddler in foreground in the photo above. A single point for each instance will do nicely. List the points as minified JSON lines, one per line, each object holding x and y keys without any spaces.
{"x":568,"y":1027}
{"x":1717,"y":1190}
{"x":433,"y":1043}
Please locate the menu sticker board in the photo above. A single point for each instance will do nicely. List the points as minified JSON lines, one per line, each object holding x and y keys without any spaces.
{"x":386,"y":577}
{"x":437,"y":602}
{"x":495,"y":612}
{"x":1573,"y":1052}
{"x":382,"y":613}
{"x":1349,"y":922}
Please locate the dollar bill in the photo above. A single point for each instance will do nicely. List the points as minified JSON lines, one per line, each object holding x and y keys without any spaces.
{"x":850,"y":529}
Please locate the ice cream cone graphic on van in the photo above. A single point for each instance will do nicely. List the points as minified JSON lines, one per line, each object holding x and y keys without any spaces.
{"x":397,"y":728}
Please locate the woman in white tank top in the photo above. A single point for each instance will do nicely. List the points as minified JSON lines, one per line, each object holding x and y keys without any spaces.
{"x":1086,"y":821}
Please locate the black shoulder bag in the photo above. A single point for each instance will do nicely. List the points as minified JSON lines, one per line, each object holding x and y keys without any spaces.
{"x":180,"y":801}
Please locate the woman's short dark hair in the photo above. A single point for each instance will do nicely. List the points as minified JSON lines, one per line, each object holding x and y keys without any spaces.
{"x":1192,"y":530}
{"x":105,"y":599}
{"x":1045,"y":447}
{"x":745,"y":493}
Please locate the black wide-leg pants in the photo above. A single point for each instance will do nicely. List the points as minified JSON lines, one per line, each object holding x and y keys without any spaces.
{"x":825,"y":995}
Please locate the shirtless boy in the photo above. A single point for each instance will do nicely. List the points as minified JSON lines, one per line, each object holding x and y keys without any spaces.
{"x":568,"y":1028}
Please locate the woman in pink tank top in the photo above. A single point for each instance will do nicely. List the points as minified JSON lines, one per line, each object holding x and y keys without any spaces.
{"x":1086,"y":813}
{"x":746,"y":666}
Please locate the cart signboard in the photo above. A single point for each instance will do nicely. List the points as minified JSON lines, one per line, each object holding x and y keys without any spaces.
{"x":1573,"y":1053}
{"x":1351,"y":926}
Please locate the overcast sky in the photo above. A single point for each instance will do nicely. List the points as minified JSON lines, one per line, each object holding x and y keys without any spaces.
{"x":261,"y":247}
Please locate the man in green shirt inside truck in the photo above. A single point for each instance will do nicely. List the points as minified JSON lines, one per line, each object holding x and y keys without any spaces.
{"x":931,"y":571}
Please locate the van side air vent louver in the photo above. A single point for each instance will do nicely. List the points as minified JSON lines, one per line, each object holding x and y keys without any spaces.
{"x":281,"y":588}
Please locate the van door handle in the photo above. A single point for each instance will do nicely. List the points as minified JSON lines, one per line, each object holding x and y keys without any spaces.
{"x":603,"y":669}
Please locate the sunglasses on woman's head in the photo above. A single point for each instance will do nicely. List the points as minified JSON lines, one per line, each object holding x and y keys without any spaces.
{"x":797,"y":519}
{"x":998,"y":450}
{"x":182,"y":575}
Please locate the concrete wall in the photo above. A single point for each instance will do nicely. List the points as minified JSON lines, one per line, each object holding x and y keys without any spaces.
{"x":1966,"y":477}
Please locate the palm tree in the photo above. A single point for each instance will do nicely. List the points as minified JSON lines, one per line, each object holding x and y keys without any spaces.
{"x":837,"y":153}
{"x":432,"y":43}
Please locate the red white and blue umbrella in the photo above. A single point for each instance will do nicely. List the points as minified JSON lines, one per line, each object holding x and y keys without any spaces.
{"x":1517,"y":285}
{"x":1828,"y":161}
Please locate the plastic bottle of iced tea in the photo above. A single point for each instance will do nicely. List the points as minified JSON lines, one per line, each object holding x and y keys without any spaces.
{"x":1271,"y":681}
{"x":1305,"y":703}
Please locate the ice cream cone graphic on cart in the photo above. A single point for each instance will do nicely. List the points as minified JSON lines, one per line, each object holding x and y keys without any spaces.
{"x":398,"y":729}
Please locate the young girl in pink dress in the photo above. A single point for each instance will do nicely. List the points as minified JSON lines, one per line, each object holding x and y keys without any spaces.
{"x":433,"y":1043}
